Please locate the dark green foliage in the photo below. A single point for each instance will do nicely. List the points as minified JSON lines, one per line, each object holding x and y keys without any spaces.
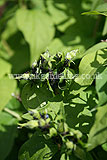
{"x":53,"y":79}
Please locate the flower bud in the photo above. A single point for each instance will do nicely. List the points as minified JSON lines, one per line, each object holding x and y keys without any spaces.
{"x":62,"y":127}
{"x":30,"y":124}
{"x":77,"y":133}
{"x":69,"y":145}
{"x":42,"y":122}
{"x":45,"y":111}
{"x":33,"y":123}
{"x":47,"y":120}
{"x":37,"y":114}
{"x":71,"y":54}
{"x":52,"y":132}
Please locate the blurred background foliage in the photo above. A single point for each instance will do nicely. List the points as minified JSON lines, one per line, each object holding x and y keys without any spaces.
{"x":27,"y":29}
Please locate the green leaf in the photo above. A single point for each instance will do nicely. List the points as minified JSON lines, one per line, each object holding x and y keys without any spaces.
{"x":15,"y":105}
{"x":98,"y":133}
{"x":95,"y":48}
{"x":11,"y":28}
{"x":76,"y":40}
{"x":21,"y":54}
{"x":16,"y":47}
{"x":27,"y":116}
{"x":101,"y":9}
{"x":94,"y":13}
{"x":67,"y":17}
{"x":101,"y":87}
{"x":57,"y":11}
{"x":37,"y":147}
{"x":104,"y":146}
{"x":7,"y":134}
{"x":88,"y":67}
{"x":81,"y":154}
{"x":33,"y":97}
{"x":56,"y":46}
{"x":65,"y":157}
{"x":5,"y":68}
{"x":78,"y":111}
{"x":78,"y":154}
{"x":70,"y":41}
{"x":7,"y":87}
{"x":96,"y":3}
{"x":37,"y":28}
{"x":105,"y":28}
{"x":53,"y":108}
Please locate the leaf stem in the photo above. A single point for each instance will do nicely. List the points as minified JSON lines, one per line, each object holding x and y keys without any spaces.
{"x":16,"y":115}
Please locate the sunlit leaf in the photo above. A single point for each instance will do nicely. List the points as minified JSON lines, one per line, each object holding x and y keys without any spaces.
{"x":88,"y":67}
{"x":101,"y":87}
{"x":7,"y":87}
{"x":37,"y":28}
{"x":98,"y":133}
{"x":5,"y":67}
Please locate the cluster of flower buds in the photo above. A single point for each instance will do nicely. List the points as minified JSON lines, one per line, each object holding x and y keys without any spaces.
{"x":69,"y":137}
{"x":38,"y":120}
{"x":54,"y":70}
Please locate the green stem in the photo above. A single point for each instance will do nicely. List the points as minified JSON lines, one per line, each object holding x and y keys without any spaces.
{"x":16,"y":115}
